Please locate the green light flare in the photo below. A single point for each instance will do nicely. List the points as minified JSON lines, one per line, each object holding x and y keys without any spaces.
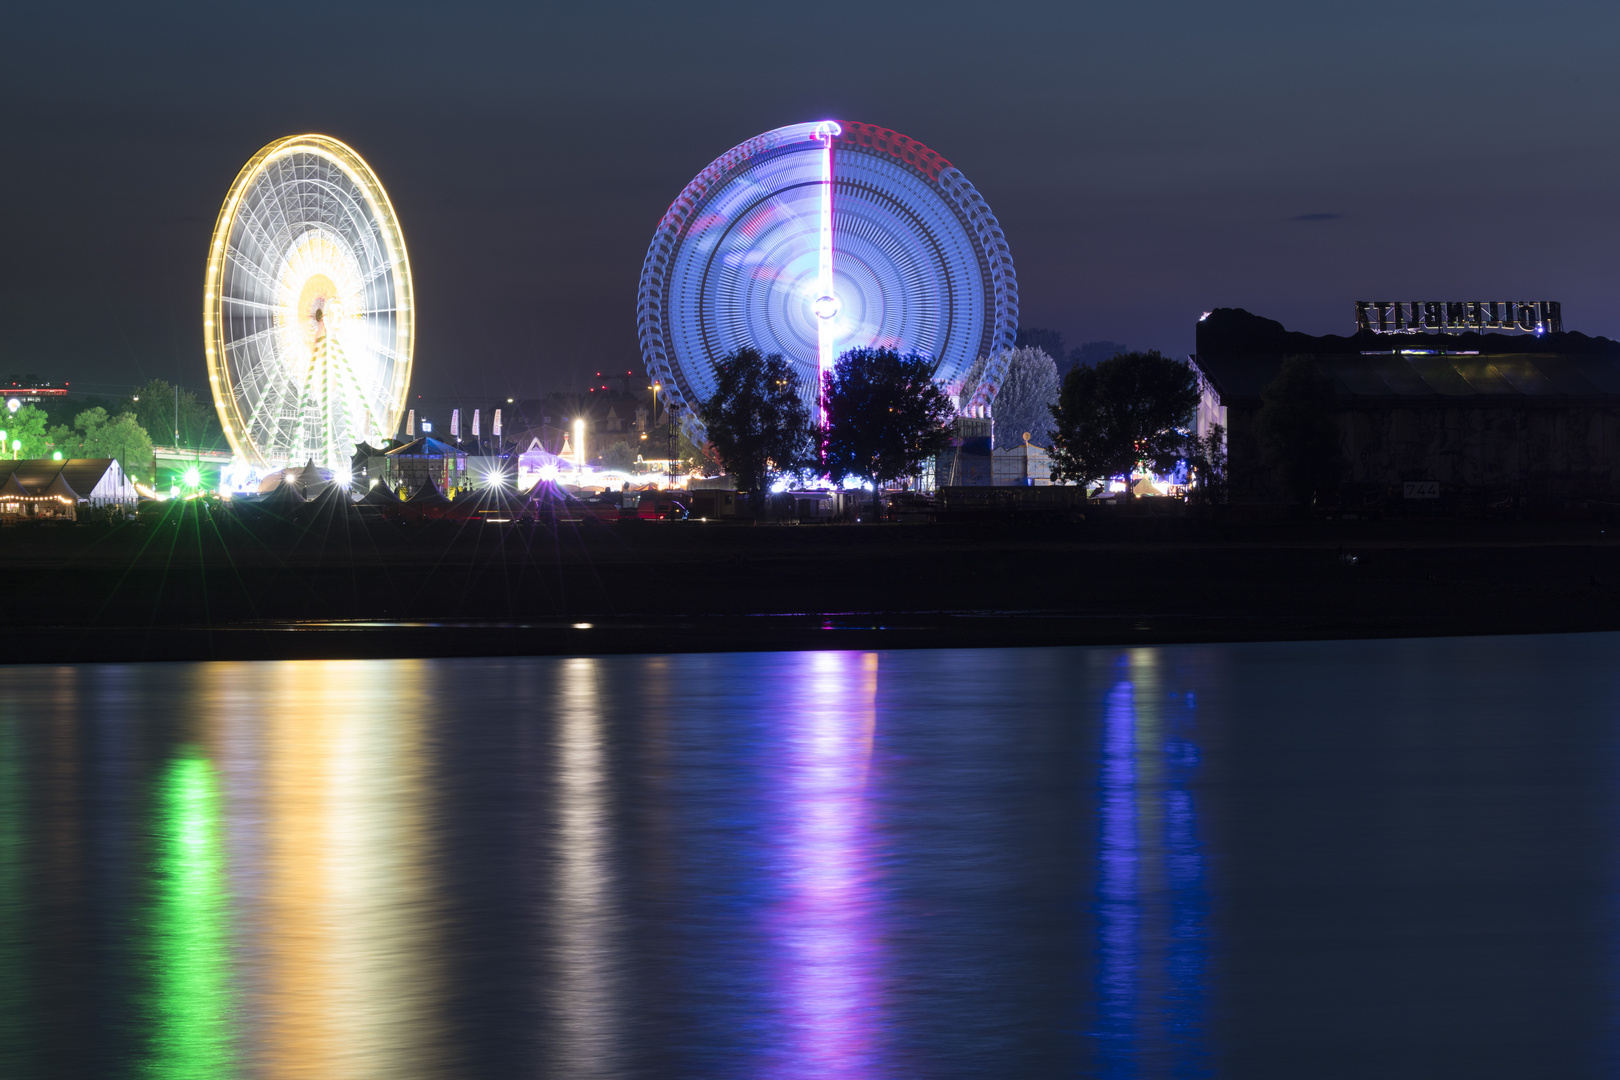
{"x":15,"y":1007}
{"x":190,"y":1034}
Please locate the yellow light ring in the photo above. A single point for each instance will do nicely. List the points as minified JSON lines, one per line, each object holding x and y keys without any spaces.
{"x":355,"y":167}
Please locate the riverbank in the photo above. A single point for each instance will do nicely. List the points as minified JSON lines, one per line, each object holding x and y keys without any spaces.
{"x":201,"y":586}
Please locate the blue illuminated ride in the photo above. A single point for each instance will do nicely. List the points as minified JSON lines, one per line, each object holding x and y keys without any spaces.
{"x":814,"y":239}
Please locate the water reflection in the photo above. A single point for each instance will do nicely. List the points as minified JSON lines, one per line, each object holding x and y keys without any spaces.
{"x":14,"y":981}
{"x":349,"y":981}
{"x":829,"y":977}
{"x":190,"y":1033}
{"x":584,"y":918}
{"x":1151,"y":901}
{"x":704,"y":867}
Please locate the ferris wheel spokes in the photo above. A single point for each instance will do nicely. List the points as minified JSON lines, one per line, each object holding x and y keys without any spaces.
{"x":315,"y":353}
{"x":813,"y":238}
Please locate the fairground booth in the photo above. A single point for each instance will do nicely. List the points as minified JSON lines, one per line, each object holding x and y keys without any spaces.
{"x":43,"y":489}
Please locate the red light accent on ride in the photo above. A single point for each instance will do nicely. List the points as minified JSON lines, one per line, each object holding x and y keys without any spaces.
{"x":898,"y":146}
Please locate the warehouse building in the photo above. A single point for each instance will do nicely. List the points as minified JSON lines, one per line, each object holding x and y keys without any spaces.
{"x":1444,"y":411}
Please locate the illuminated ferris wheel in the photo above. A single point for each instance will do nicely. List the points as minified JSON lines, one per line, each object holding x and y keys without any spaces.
{"x":307,"y":315}
{"x":814,"y":239}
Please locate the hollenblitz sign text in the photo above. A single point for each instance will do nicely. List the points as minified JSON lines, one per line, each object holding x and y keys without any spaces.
{"x":1459,"y":316}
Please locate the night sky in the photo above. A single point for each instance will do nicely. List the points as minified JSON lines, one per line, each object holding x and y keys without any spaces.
{"x":1148,"y":160}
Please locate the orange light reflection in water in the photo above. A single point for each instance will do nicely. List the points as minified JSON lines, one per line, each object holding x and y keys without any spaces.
{"x":329,"y":845}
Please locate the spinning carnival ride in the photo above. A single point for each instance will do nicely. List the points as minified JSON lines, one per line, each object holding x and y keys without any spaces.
{"x":818,"y":238}
{"x":307,"y":314}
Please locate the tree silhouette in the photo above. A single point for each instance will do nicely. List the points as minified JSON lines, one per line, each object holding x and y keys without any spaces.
{"x":1131,"y":408}
{"x":28,"y":425}
{"x":885,"y":416}
{"x":101,"y":436}
{"x":757,"y":420}
{"x":1206,"y":466}
{"x":154,"y":408}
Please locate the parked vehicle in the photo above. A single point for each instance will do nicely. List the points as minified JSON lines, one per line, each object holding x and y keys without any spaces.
{"x":602,"y":507}
{"x":658,"y":506}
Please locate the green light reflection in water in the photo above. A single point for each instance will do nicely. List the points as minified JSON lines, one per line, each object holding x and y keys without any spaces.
{"x":15,"y":1005}
{"x":191,"y":1010}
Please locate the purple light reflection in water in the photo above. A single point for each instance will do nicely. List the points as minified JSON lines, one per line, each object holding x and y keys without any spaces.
{"x":827,"y":981}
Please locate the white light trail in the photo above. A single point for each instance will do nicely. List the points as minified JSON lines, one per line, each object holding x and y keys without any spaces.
{"x":826,"y":305}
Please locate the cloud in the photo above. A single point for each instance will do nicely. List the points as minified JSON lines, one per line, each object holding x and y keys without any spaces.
{"x":1316,"y":217}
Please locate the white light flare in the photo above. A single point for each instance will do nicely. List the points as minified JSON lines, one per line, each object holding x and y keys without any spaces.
{"x":826,"y":304}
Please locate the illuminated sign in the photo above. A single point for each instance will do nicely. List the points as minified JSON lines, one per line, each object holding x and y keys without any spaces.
{"x":1459,"y":316}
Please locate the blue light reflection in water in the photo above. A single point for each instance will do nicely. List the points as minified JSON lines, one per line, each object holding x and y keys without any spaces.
{"x":1336,"y":860}
{"x":1152,"y":907}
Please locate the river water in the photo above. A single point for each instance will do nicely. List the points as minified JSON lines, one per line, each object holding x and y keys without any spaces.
{"x":1341,"y":859}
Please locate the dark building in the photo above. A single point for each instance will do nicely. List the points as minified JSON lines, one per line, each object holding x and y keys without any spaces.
{"x":1493,"y":416}
{"x":30,"y":389}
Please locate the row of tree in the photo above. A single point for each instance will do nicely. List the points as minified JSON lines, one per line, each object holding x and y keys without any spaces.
{"x":1130,"y":412}
{"x":92,"y":434}
{"x":1136,"y":409}
{"x":121,"y":428}
{"x":885,"y":416}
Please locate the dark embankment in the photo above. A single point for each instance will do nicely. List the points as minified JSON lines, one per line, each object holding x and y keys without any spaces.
{"x":198,"y":585}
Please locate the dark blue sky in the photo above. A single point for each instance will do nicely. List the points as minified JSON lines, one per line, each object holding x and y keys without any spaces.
{"x":1148,"y":160}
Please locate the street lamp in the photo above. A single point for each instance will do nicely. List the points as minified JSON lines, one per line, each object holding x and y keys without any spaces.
{"x":579,"y":452}
{"x":655,"y":387}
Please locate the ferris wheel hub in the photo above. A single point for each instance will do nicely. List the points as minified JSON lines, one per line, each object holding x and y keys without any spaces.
{"x":826,"y":307}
